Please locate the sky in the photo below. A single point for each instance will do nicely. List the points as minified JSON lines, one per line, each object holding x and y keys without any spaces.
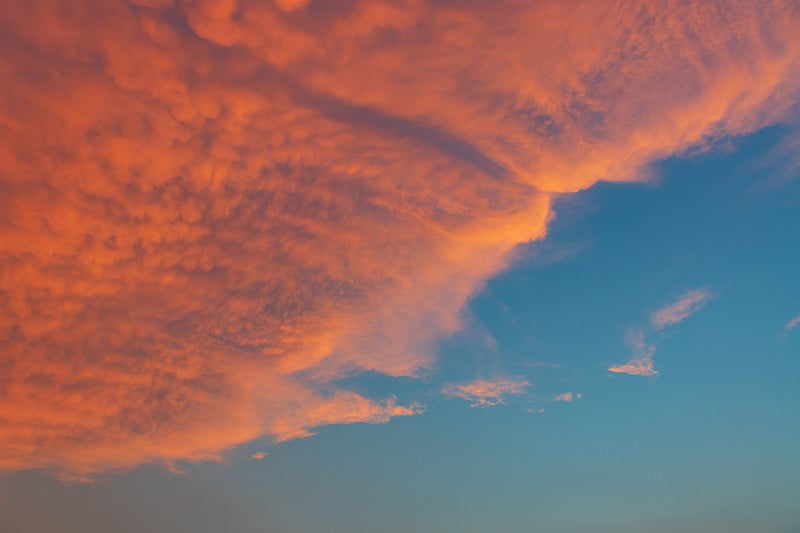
{"x":387,"y":266}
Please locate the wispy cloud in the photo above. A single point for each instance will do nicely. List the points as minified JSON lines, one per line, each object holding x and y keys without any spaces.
{"x":485,"y":393}
{"x":686,"y":305}
{"x":793,"y":323}
{"x":567,"y":397}
{"x":636,"y":367}
{"x":642,"y":362}
{"x":259,"y":456}
{"x":547,"y":252}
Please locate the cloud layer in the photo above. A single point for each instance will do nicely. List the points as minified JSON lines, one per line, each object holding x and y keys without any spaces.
{"x":212,"y":211}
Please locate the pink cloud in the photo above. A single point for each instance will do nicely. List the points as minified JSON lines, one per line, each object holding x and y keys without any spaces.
{"x":642,"y":362}
{"x":485,"y":393}
{"x":688,"y":304}
{"x":567,"y":397}
{"x":635,"y":367}
{"x":793,"y":323}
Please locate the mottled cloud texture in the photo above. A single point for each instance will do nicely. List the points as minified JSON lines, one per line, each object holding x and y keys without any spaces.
{"x":212,"y":211}
{"x":680,"y":309}
{"x":486,"y":393}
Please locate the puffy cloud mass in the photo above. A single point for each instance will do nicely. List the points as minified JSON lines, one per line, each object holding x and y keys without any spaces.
{"x":212,"y":211}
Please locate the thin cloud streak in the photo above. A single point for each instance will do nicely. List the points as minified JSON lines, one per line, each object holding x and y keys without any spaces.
{"x":679,"y":310}
{"x":636,"y":367}
{"x":567,"y":397}
{"x":793,"y":323}
{"x":213,"y":212}
{"x":487,"y":393}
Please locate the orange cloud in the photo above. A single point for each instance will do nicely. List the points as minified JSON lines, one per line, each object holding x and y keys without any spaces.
{"x":486,"y":393}
{"x":686,"y":305}
{"x":213,"y":211}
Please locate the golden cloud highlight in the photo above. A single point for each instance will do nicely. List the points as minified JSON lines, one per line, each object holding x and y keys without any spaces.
{"x":212,"y":212}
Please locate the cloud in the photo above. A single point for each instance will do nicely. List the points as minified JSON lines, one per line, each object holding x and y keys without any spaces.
{"x":642,"y":362}
{"x":567,"y":397}
{"x":688,"y":304}
{"x":259,"y":456}
{"x":636,"y":367}
{"x":486,"y":393}
{"x":793,"y":323}
{"x":212,"y":212}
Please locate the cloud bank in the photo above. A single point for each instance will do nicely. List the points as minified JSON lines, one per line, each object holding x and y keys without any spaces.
{"x":213,"y":211}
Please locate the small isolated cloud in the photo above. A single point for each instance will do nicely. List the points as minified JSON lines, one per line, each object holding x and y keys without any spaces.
{"x":793,"y":323}
{"x":567,"y":397}
{"x":258,"y":456}
{"x":485,"y":393}
{"x":682,"y":308}
{"x":642,"y":362}
{"x":636,"y":367}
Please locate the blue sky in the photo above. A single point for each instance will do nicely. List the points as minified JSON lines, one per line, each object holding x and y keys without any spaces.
{"x":707,"y":444}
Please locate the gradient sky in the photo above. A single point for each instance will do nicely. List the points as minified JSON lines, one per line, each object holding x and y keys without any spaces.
{"x":388,"y":266}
